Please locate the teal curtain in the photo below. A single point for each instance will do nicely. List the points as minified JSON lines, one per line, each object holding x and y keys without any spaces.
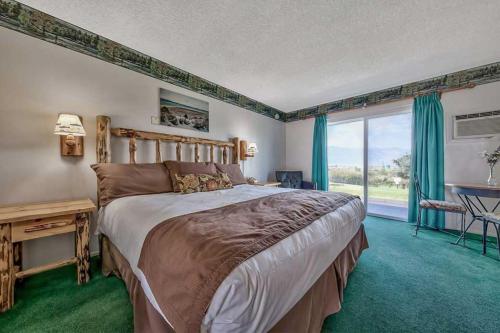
{"x":427,"y":158}
{"x":320,"y":151}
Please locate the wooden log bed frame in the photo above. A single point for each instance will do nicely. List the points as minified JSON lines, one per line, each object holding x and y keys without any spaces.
{"x":322,"y":299}
{"x":217,"y":151}
{"x":105,"y":132}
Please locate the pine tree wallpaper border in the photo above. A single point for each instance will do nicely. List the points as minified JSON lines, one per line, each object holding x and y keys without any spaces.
{"x":19,"y":17}
{"x":462,"y":79}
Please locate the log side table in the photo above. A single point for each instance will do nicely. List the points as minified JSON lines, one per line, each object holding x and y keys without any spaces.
{"x":20,"y":223}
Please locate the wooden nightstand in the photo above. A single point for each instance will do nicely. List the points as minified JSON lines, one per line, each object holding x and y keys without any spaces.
{"x":269,"y":184}
{"x":19,"y":223}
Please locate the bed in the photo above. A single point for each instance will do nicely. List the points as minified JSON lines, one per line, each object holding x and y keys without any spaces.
{"x":288,"y":284}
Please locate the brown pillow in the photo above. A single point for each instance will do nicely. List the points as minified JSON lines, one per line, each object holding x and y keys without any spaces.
{"x":123,"y":180}
{"x":233,"y":171}
{"x":186,"y":168}
{"x":203,"y":183}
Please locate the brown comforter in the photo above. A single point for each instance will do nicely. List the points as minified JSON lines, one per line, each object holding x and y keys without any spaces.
{"x":186,"y":258}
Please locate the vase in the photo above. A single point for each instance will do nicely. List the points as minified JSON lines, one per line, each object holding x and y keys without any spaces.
{"x":491,"y":179}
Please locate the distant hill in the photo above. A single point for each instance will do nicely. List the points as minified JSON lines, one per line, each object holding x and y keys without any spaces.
{"x":343,"y":156}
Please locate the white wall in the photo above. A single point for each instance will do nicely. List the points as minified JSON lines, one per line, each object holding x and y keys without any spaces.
{"x":299,"y":142}
{"x":462,"y":160}
{"x":38,"y":80}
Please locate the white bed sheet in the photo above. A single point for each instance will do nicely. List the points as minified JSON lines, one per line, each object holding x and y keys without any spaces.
{"x":261,"y":290}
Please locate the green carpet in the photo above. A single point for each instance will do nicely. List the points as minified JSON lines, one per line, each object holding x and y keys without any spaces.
{"x":53,"y":302}
{"x":423,"y":284}
{"x":401,"y":284}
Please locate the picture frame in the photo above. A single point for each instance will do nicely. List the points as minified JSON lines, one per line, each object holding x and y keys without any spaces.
{"x":181,"y":111}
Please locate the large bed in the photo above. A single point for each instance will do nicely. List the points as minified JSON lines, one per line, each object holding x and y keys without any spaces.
{"x":290,"y":285}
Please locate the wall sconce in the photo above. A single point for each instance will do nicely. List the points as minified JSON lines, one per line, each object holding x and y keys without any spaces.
{"x":71,"y":131}
{"x":247,"y":150}
{"x":252,"y":149}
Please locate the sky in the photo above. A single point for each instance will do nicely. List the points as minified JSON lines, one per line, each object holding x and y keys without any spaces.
{"x":388,"y":138}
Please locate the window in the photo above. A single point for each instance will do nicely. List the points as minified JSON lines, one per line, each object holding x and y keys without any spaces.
{"x":370,"y":157}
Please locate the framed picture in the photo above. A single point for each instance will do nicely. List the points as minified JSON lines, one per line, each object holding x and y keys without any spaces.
{"x":182,"y":111}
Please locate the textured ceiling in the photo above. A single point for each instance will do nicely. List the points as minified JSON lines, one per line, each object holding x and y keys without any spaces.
{"x":297,"y":54}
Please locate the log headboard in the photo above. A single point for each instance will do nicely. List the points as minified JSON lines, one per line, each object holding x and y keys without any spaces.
{"x":104,"y":133}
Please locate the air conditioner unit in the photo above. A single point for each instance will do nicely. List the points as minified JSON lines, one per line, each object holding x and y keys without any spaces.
{"x":476,"y":125}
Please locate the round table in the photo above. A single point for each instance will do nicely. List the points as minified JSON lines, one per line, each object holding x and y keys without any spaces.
{"x":470,"y":195}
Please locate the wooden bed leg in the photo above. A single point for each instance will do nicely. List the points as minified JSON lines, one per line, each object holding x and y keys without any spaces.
{"x":82,"y":248}
{"x":6,"y":268}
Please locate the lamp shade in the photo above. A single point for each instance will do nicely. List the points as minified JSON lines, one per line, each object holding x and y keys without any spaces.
{"x":252,"y":148}
{"x":69,"y":124}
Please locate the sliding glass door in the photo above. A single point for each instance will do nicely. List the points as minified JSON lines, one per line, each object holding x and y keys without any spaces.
{"x":389,"y":146}
{"x":345,"y":157}
{"x":370,"y":157}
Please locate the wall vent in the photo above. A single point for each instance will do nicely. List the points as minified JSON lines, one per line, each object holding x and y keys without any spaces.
{"x":476,"y":125}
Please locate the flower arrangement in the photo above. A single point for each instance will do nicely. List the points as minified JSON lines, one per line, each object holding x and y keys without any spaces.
{"x":491,"y":159}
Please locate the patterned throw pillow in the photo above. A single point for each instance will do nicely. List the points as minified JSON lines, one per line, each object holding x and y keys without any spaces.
{"x":203,"y":183}
{"x":188,"y":183}
{"x":225,"y":181}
